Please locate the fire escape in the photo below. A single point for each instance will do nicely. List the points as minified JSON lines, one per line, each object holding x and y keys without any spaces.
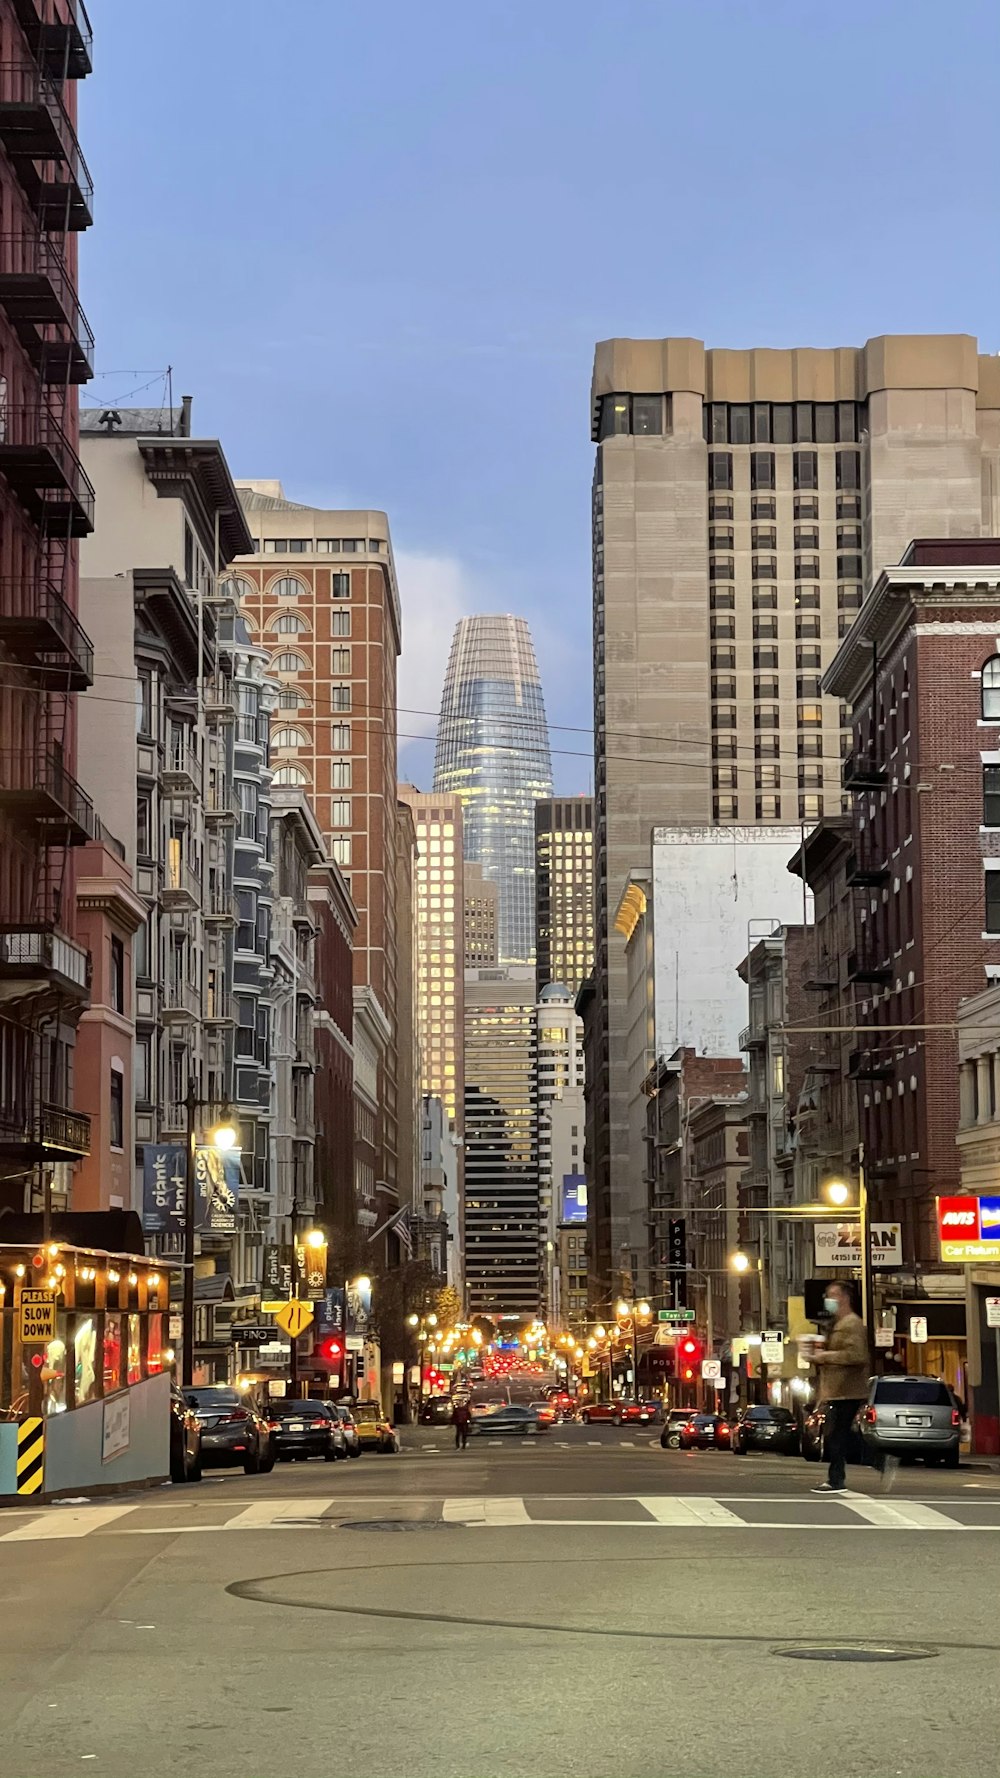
{"x":44,"y":974}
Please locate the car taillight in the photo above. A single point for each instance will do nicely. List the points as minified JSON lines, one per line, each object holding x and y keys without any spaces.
{"x":274,"y":1426}
{"x":956,"y":1418}
{"x":237,"y":1414}
{"x":869,"y":1416}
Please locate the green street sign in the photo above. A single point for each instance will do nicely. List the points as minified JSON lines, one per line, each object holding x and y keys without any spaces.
{"x":675,"y":1315}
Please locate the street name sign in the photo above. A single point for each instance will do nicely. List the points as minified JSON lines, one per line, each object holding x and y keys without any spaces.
{"x":675,"y":1315}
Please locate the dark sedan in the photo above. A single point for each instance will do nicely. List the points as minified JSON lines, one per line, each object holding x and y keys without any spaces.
{"x":814,"y":1438}
{"x":306,"y":1429}
{"x":766,"y":1429}
{"x":705,"y":1432}
{"x":233,"y":1430}
{"x":436,"y":1411}
{"x":514,"y":1419}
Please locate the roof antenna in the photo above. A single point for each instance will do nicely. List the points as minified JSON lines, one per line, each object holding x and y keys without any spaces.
{"x":110,"y":419}
{"x":170,"y":396}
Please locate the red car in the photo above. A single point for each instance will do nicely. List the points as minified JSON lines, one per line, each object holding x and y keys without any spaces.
{"x":602,"y":1410}
{"x":637,"y":1411}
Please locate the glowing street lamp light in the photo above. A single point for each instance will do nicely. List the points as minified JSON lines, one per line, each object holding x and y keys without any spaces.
{"x":740,"y":1261}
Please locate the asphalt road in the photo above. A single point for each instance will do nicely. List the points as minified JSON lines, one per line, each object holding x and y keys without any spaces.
{"x":579,"y":1605}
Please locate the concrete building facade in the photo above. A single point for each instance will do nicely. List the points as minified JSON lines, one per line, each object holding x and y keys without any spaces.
{"x":560,"y":1137}
{"x":480,"y":918}
{"x":741,"y":501}
{"x":501,"y":1212}
{"x":564,"y":891}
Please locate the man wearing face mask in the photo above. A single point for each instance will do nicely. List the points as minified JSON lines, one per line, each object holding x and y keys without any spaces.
{"x":843,"y":1381}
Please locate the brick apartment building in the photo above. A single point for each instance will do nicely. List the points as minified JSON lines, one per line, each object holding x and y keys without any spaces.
{"x":921,"y":671}
{"x":46,"y":504}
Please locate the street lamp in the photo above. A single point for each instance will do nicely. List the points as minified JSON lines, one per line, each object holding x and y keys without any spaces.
{"x":840,"y":1192}
{"x":634,"y":1313}
{"x":222,"y":1137}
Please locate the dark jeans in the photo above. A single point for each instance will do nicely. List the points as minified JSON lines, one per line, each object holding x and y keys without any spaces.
{"x":840,"y":1416}
{"x":461,"y":1435}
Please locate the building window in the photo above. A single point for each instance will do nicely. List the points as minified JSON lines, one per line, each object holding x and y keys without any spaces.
{"x":764,"y":508}
{"x":762,"y":469}
{"x":720,"y":537}
{"x":288,"y":623}
{"x":808,"y":657}
{"x":848,"y":567}
{"x":340,"y":586}
{"x":991,"y":796}
{"x":809,"y":808}
{"x":291,"y":698}
{"x":720,"y":469}
{"x":143,"y":827}
{"x":765,"y":598}
{"x":724,"y":716}
{"x":340,"y":623}
{"x":144,"y":703}
{"x":724,"y":808}
{"x":723,"y":687}
{"x":288,"y":586}
{"x":807,"y":685}
{"x":765,"y":685}
{"x":342,"y":850}
{"x":340,"y":697}
{"x":340,"y":812}
{"x":723,"y":628}
{"x":807,"y":507}
{"x":809,"y":715}
{"x":614,"y":417}
{"x":991,"y":689}
{"x":767,"y":777}
{"x":848,"y":469}
{"x":723,"y":657}
{"x":764,"y":568}
{"x":289,"y":662}
{"x":806,"y":626}
{"x":764,"y":537}
{"x":647,"y":415}
{"x":340,"y":774}
{"x":765,"y":716}
{"x":340,"y":659}
{"x":720,"y":508}
{"x":117,"y":983}
{"x":142,"y":1072}
{"x":117,"y":1108}
{"x":285,"y":739}
{"x":849,"y":506}
{"x":722,"y":598}
{"x":765,"y":629}
{"x":721,"y":568}
{"x":768,"y":808}
{"x":993,"y":901}
{"x":340,"y":737}
{"x":805,"y":470}
{"x":290,"y":775}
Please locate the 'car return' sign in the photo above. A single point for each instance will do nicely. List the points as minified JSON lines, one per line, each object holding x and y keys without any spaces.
{"x":969,"y":1228}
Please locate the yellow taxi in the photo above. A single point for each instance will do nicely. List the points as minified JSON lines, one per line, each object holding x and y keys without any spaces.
{"x":374,"y":1430}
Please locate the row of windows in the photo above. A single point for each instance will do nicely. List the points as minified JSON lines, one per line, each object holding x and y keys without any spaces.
{"x":323,"y":546}
{"x":770,"y":808}
{"x":724,"y":716}
{"x":723,"y":567}
{"x":766,"y":685}
{"x":765,"y":506}
{"x":799,"y":422}
{"x":767,"y":777}
{"x":766,"y":537}
{"x":807,"y":598}
{"x":805,"y":469}
{"x":808,"y":746}
{"x":807,"y":656}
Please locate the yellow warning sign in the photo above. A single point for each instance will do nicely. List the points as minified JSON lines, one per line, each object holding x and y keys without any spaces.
{"x":294,"y":1317}
{"x":36,"y":1317}
{"x":271,"y":1306}
{"x":30,"y":1455}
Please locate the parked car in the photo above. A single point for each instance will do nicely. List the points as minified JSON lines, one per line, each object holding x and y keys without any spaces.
{"x":597,"y":1411}
{"x":760,"y":1428}
{"x":185,"y":1440}
{"x":233,"y":1430}
{"x":670,"y":1437}
{"x":352,"y":1439}
{"x":514,"y":1418}
{"x":487,"y":1404}
{"x":436,"y":1411}
{"x":306,"y":1429}
{"x":375,"y":1432}
{"x":654,"y":1409}
{"x":548,"y":1411}
{"x":814,"y":1438}
{"x":912,"y":1417}
{"x":705,"y":1432}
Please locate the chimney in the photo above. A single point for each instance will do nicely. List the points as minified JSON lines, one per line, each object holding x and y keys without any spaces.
{"x":185,"y":422}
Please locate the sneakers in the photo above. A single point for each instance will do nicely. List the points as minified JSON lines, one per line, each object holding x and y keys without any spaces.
{"x":827,"y":1488}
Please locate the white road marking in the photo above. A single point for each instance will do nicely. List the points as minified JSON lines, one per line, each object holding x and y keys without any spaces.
{"x":266,"y":1513}
{"x":594,"y":1443}
{"x":908,"y":1515}
{"x":56,"y":1522}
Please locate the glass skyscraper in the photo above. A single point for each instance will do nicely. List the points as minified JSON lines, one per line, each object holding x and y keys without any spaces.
{"x":493,"y":752}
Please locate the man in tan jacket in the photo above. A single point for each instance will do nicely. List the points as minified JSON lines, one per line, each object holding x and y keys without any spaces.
{"x":844,"y":1369}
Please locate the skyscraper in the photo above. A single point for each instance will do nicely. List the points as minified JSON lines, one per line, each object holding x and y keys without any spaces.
{"x":741,"y":502}
{"x":493,"y":753}
{"x":501,"y":1213}
{"x":564,"y":891}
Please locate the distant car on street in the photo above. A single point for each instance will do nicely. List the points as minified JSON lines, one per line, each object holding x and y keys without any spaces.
{"x":306,"y":1429}
{"x":348,"y":1426}
{"x":486,"y":1402}
{"x":597,"y":1411}
{"x":912,"y":1417}
{"x":760,"y":1428}
{"x":638,"y":1413}
{"x":813,"y":1443}
{"x":548,"y":1411}
{"x":374,"y":1430}
{"x":233,"y":1430}
{"x":436,"y":1411}
{"x":185,"y":1440}
{"x":705,"y":1432}
{"x":670,"y":1437}
{"x":515,"y":1419}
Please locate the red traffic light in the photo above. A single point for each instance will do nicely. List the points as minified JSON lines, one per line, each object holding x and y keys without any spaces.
{"x":330,"y":1350}
{"x":689,"y":1347}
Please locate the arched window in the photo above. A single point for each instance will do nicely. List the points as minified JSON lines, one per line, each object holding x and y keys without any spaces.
{"x":285,"y":738}
{"x":289,"y":623}
{"x":287,"y":586}
{"x":236,"y":586}
{"x":291,"y":698}
{"x":290,"y":775}
{"x":289,"y":662}
{"x":991,"y":689}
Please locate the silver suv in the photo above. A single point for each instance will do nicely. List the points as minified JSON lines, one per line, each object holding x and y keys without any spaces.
{"x":911,"y":1417}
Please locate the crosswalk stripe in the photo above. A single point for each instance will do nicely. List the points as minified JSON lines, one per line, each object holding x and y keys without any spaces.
{"x":275,"y":1512}
{"x":906,"y":1514}
{"x":63,"y":1522}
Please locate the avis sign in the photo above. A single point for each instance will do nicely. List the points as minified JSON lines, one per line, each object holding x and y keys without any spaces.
{"x":839,"y":1243}
{"x":969,"y":1228}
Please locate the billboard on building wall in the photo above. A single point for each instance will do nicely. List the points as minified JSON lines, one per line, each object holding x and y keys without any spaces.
{"x":164,"y":1176}
{"x":574,"y":1198}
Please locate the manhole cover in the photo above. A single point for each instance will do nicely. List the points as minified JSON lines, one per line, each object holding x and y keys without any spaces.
{"x":854,"y":1651}
{"x":395,"y":1525}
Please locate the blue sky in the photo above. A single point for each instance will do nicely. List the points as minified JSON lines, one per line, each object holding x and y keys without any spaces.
{"x":377,"y":241}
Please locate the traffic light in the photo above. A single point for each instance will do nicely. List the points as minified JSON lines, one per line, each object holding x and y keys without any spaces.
{"x":330,"y":1352}
{"x":688,"y":1358}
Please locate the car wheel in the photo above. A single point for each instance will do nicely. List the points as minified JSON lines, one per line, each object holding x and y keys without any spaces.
{"x":664,"y":1441}
{"x":251,"y":1464}
{"x":330,"y":1456}
{"x":194,"y":1473}
{"x":585,"y":1417}
{"x":354,"y":1451}
{"x":951,"y":1458}
{"x":673,"y":1441}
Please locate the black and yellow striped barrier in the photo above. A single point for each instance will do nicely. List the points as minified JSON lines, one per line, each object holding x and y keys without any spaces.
{"x":30,"y":1455}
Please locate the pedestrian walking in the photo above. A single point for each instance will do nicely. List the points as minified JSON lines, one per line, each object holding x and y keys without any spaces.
{"x":844,"y":1367}
{"x":461,"y":1414}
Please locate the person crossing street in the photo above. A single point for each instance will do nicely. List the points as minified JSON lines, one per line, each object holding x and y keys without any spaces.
{"x":461,"y":1415}
{"x":843,"y":1381}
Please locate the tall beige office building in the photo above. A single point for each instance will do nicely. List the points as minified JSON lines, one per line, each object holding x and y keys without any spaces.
{"x":482,"y":898}
{"x":742,"y":501}
{"x":439,"y":944}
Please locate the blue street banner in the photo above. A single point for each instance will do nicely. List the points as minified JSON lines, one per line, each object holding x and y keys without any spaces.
{"x":574,"y":1197}
{"x":163,"y":1180}
{"x":359,"y":1309}
{"x":216,"y":1188}
{"x":329,"y":1313}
